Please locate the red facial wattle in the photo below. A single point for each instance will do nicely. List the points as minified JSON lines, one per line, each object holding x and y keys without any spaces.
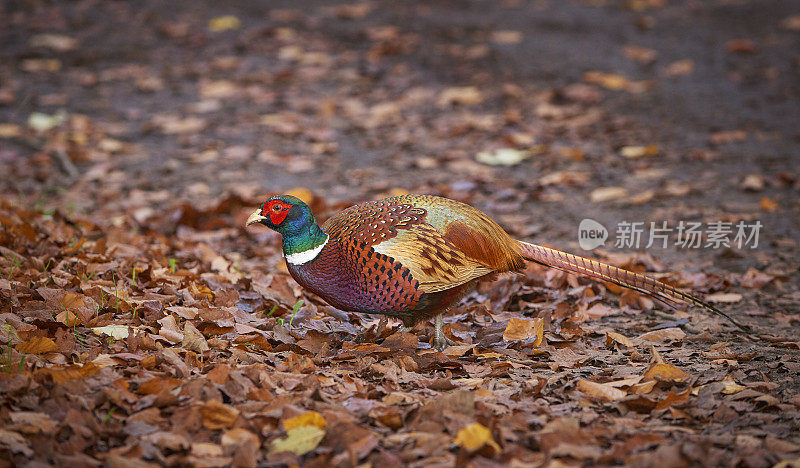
{"x":277,"y":217}
{"x":276,"y":210}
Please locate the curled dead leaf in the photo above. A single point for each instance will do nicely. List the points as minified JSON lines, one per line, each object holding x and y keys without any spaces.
{"x":614,"y":337}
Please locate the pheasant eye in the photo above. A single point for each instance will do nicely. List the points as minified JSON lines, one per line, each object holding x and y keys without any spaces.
{"x":277,"y":207}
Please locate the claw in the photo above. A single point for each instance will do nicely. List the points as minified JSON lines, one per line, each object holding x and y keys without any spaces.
{"x":440,"y":340}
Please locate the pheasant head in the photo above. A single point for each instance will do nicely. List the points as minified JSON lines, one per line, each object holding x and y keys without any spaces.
{"x":293,"y":220}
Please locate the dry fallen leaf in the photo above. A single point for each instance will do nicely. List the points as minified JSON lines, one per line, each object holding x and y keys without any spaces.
{"x":600,"y":391}
{"x":664,"y":334}
{"x":311,"y":418}
{"x":464,"y":95}
{"x":613,"y":337}
{"x":474,"y":436}
{"x":679,"y":68}
{"x":731,"y":386}
{"x":666,"y":373}
{"x":224,"y":23}
{"x":299,"y":440}
{"x":217,"y":415}
{"x":157,"y":385}
{"x":768,"y":204}
{"x":193,"y":339}
{"x":604,"y":194}
{"x":616,"y":82}
{"x":38,"y":345}
{"x":633,"y":152}
{"x":507,"y":37}
{"x":522,"y":329}
{"x":502,"y":157}
{"x":118,"y":332}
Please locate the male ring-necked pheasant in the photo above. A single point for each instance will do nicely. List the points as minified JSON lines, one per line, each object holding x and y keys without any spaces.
{"x":414,"y":256}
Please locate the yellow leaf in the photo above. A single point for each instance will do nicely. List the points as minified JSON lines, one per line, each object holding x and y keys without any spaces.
{"x":37,"y":345}
{"x":522,"y":329}
{"x":644,"y":387}
{"x":666,"y":373}
{"x":730,"y":386}
{"x":299,"y":440}
{"x":311,"y":418}
{"x":600,"y":391}
{"x":474,"y":436}
{"x":224,"y":23}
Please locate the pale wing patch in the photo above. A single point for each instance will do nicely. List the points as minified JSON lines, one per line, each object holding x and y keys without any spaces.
{"x":433,"y":260}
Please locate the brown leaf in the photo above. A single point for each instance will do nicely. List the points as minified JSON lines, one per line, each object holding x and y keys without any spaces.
{"x":673,"y":399}
{"x":741,"y":46}
{"x":666,"y":373}
{"x":193,"y":340}
{"x":217,"y":415}
{"x":522,"y":329}
{"x":157,"y":385}
{"x":600,"y":391}
{"x":29,"y":422}
{"x":768,"y":204}
{"x":15,"y":443}
{"x":65,"y":374}
{"x":613,"y":337}
{"x":665,"y":334}
{"x":37,"y":345}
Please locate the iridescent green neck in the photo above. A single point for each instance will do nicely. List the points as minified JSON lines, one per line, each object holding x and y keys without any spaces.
{"x":304,"y":246}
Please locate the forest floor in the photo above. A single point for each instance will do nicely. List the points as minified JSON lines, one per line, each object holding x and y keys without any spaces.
{"x":141,"y":323}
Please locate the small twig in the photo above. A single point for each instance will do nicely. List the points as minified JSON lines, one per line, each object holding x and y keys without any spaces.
{"x":61,"y":157}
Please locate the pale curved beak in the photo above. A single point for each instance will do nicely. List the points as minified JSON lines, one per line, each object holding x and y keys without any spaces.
{"x":255,"y":217}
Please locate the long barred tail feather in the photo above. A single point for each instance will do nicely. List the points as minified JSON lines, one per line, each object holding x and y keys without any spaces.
{"x":628,"y":279}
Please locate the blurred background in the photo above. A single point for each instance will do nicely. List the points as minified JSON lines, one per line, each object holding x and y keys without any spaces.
{"x":540,"y":112}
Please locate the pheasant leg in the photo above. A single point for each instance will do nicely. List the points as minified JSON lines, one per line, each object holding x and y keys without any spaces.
{"x":440,"y":341}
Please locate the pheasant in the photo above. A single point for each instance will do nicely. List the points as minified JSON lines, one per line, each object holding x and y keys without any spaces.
{"x":412,"y":257}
